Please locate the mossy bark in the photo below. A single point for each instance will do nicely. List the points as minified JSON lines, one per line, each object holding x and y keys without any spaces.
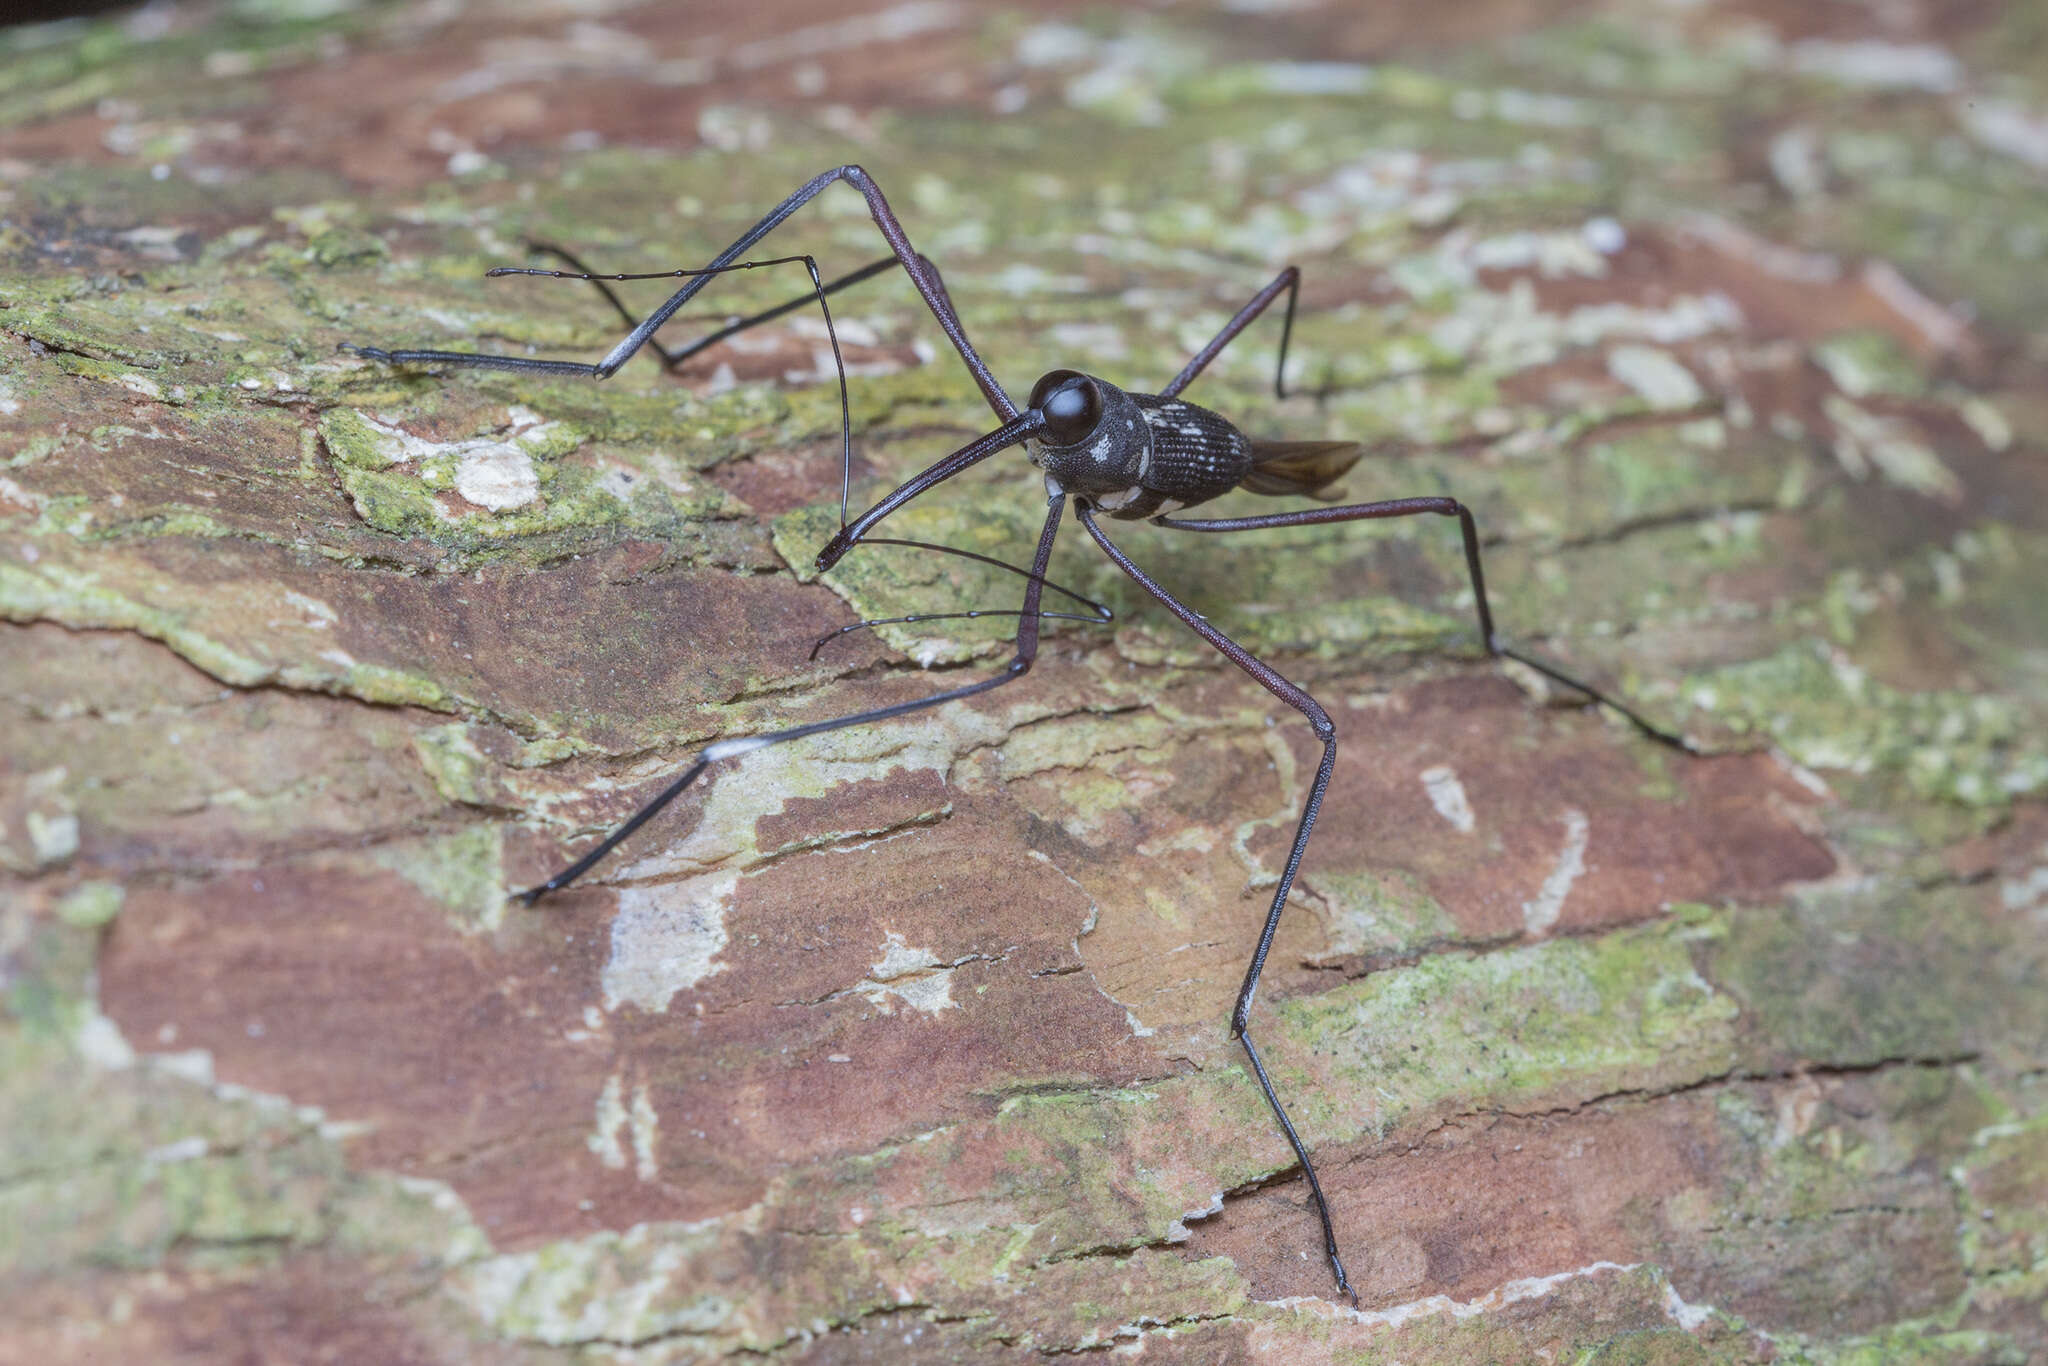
{"x":908,"y":1042}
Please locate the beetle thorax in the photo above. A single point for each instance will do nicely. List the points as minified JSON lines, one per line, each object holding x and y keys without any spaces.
{"x":1109,"y":458}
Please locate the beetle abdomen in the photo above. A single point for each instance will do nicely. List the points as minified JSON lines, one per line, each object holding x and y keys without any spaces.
{"x":1188,"y":455}
{"x":1196,"y":455}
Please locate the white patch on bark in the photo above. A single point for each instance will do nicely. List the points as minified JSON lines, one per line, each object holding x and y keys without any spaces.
{"x":186,"y":1149}
{"x":664,"y":940}
{"x":2008,"y":128}
{"x":100,"y":1043}
{"x":641,"y":1125}
{"x":646,"y":1130}
{"x":1539,"y":915}
{"x":1498,"y":1298}
{"x":1447,"y":795}
{"x":498,"y":476}
{"x":494,"y":471}
{"x":611,"y":1117}
{"x":914,"y":976}
{"x":1657,"y":376}
{"x":1879,"y":65}
{"x":1690,"y":1317}
{"x":1177,"y":1229}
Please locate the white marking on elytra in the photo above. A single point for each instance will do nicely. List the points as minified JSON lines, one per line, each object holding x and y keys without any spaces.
{"x":1447,"y":795}
{"x":1539,"y":915}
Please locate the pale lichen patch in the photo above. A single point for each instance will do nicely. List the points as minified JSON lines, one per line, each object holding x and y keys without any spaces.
{"x":1540,"y":914}
{"x":1447,"y":795}
{"x":773,"y":776}
{"x":1867,"y":442}
{"x":611,"y":1118}
{"x":1499,"y":1298}
{"x":639,"y":1124}
{"x":915,"y":976}
{"x":497,"y":476}
{"x":1656,"y":376}
{"x":666,"y":939}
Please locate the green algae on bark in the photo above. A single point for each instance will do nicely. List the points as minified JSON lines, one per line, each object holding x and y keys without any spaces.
{"x":1827,"y":713}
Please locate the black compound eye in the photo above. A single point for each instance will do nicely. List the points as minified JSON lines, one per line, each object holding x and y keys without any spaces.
{"x":1049,"y":381}
{"x":1071,"y":407}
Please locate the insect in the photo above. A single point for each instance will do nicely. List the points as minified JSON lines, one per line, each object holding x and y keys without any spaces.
{"x":1106,"y":453}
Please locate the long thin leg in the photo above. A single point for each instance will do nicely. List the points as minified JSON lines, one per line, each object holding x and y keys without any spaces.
{"x":1325,"y":731}
{"x":491,"y":361}
{"x":899,"y":242}
{"x":923,"y":274}
{"x":1287,"y":281}
{"x":1019,"y":665}
{"x":1448,"y":507}
{"x":668,"y":359}
{"x":926,"y":279}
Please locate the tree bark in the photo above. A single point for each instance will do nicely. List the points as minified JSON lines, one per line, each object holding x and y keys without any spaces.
{"x":908,"y":1042}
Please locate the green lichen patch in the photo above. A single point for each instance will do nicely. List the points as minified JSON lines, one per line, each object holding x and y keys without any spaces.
{"x":886,"y":581}
{"x":459,"y":871}
{"x":1912,"y":1344}
{"x":1520,"y":1029}
{"x":1858,"y":977}
{"x":136,"y":1162}
{"x":505,"y":480}
{"x":1865,"y":363}
{"x":214,"y":635}
{"x":1374,"y":912}
{"x":91,"y":905}
{"x":1976,"y":750}
{"x":1999,"y":1184}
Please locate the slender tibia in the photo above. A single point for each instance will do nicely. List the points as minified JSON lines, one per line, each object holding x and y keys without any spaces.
{"x":1288,"y":282}
{"x":671,"y":359}
{"x":1447,"y":507}
{"x":1271,"y":681}
{"x":1308,"y":1168}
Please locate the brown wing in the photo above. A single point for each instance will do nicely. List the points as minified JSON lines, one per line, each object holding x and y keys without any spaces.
{"x":1303,"y":467}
